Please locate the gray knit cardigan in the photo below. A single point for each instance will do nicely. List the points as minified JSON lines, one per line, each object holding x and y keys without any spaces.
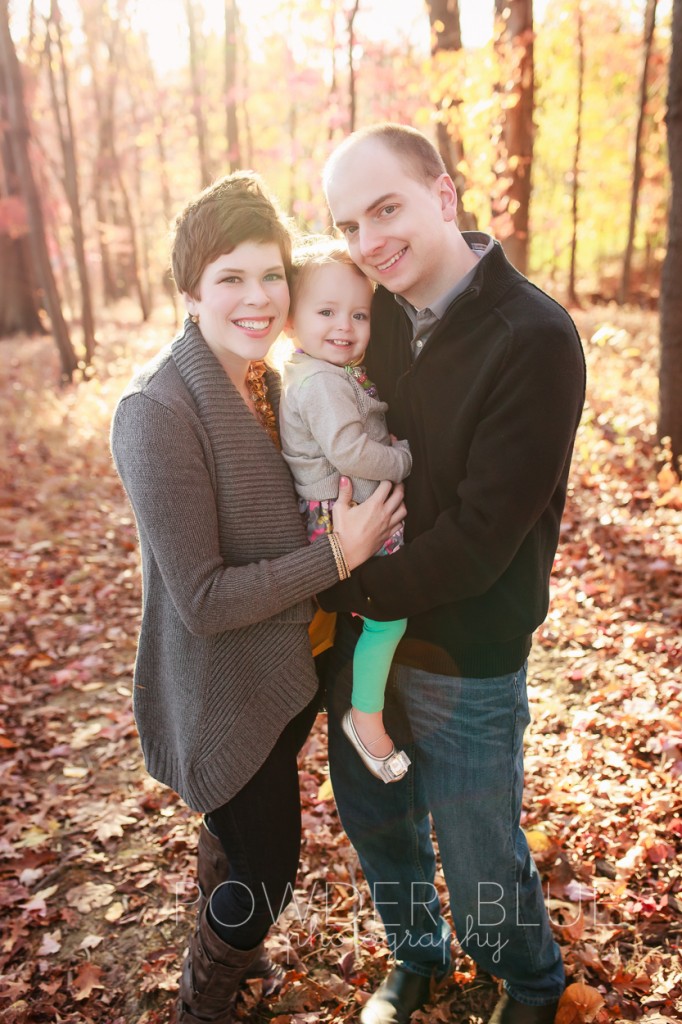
{"x":224,"y":658}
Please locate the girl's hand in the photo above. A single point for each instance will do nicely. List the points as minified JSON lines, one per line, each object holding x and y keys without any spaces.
{"x":362,"y":529}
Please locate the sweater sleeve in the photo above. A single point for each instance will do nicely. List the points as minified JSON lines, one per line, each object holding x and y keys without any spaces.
{"x":518,"y":454}
{"x":161,"y":462}
{"x":330,"y":412}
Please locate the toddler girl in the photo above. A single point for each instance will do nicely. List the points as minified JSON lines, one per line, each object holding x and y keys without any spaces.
{"x":332,"y":424}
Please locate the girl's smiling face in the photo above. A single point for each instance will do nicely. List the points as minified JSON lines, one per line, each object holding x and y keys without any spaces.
{"x":330,"y":318}
{"x":243,"y":304}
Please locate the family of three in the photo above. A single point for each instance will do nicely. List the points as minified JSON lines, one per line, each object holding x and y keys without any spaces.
{"x":443,"y":445}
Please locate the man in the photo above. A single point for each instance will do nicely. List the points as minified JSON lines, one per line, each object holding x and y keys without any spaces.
{"x":484,"y":375}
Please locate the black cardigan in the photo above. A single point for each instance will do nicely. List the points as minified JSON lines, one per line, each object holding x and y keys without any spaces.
{"x":490,"y":409}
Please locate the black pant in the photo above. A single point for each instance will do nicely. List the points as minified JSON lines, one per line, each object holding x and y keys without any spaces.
{"x":260,"y":830}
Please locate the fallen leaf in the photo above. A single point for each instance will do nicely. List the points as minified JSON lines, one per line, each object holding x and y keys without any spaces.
{"x":579,"y":1004}
{"x":667,"y":479}
{"x":50,"y":943}
{"x":87,"y":979}
{"x":111,"y":826}
{"x":325,"y":792}
{"x":90,"y":895}
{"x":114,"y":912}
{"x":539,"y":842}
{"x":38,"y":902}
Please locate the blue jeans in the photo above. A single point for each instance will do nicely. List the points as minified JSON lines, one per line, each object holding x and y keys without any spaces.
{"x":465,"y":740}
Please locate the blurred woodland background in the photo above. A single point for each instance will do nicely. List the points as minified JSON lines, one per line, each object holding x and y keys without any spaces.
{"x":550,"y":116}
{"x":561,"y":123}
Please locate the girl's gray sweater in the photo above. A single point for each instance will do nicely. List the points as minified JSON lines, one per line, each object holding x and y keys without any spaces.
{"x":331,"y":426}
{"x":224,"y":659}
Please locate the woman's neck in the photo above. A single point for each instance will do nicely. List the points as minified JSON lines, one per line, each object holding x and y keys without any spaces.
{"x":237,"y":371}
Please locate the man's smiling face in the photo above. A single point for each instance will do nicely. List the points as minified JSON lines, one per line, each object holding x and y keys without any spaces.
{"x":396,"y":226}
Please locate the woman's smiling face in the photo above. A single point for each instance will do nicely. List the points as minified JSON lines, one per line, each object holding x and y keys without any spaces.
{"x":243,"y":304}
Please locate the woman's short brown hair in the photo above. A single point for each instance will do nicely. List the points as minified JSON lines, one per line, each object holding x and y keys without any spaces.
{"x":234,"y":209}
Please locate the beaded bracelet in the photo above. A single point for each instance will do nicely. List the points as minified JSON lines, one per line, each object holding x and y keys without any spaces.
{"x":341,"y":564}
{"x":343,"y":556}
{"x":333,"y":544}
{"x":337,"y":551}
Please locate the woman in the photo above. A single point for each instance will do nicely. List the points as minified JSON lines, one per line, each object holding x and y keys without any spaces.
{"x":225,"y":686}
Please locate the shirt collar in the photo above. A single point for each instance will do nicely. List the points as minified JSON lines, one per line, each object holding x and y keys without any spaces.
{"x":480,"y":244}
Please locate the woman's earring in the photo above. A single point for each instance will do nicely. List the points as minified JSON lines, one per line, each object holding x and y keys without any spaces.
{"x":194,"y":317}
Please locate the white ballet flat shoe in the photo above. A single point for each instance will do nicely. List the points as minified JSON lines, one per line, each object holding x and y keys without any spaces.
{"x":390,"y":768}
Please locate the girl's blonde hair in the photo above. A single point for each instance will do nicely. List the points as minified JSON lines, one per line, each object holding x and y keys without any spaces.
{"x":316,"y":251}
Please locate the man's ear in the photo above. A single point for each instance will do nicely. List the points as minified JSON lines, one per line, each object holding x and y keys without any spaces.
{"x":447,"y":194}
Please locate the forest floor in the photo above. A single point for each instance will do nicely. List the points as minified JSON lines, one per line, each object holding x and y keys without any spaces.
{"x":96,"y":860}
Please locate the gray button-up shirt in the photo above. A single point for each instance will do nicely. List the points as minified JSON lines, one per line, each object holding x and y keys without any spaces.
{"x":424,"y":320}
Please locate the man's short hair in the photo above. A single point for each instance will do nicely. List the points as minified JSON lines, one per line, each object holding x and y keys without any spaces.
{"x":234,"y":209}
{"x":420,"y":156}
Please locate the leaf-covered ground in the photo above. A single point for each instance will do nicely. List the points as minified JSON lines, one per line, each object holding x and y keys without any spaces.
{"x":96,"y":860}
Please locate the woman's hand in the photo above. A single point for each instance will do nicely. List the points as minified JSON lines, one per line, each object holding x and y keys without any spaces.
{"x":362,"y":529}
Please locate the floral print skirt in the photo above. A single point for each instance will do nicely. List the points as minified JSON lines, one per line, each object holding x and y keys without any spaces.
{"x":317,"y":516}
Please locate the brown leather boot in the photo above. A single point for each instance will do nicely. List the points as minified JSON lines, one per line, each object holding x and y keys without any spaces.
{"x":400,"y":994}
{"x":213,"y":868}
{"x":211,"y":975}
{"x":510,"y":1011}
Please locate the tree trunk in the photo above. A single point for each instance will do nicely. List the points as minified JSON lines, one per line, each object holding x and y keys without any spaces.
{"x":19,"y":309}
{"x":64,"y":122}
{"x":136,"y":216}
{"x":352,"y":97}
{"x":19,"y":134}
{"x":143,"y":260}
{"x":572,"y":296}
{"x":102,"y":35}
{"x":118,"y":233}
{"x":446,"y":38}
{"x":292,"y":117}
{"x":197,"y":100}
{"x":160,"y":128}
{"x":18,"y":306}
{"x":332,"y":99}
{"x":160,"y":125}
{"x":31,"y":23}
{"x":143,"y":299}
{"x":670,"y":375}
{"x":243,"y":63}
{"x":293,"y":145}
{"x":637,"y":172}
{"x":516,"y":43}
{"x":231,"y":125}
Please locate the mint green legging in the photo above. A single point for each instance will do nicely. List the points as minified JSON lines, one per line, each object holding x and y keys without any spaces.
{"x":372,"y":662}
